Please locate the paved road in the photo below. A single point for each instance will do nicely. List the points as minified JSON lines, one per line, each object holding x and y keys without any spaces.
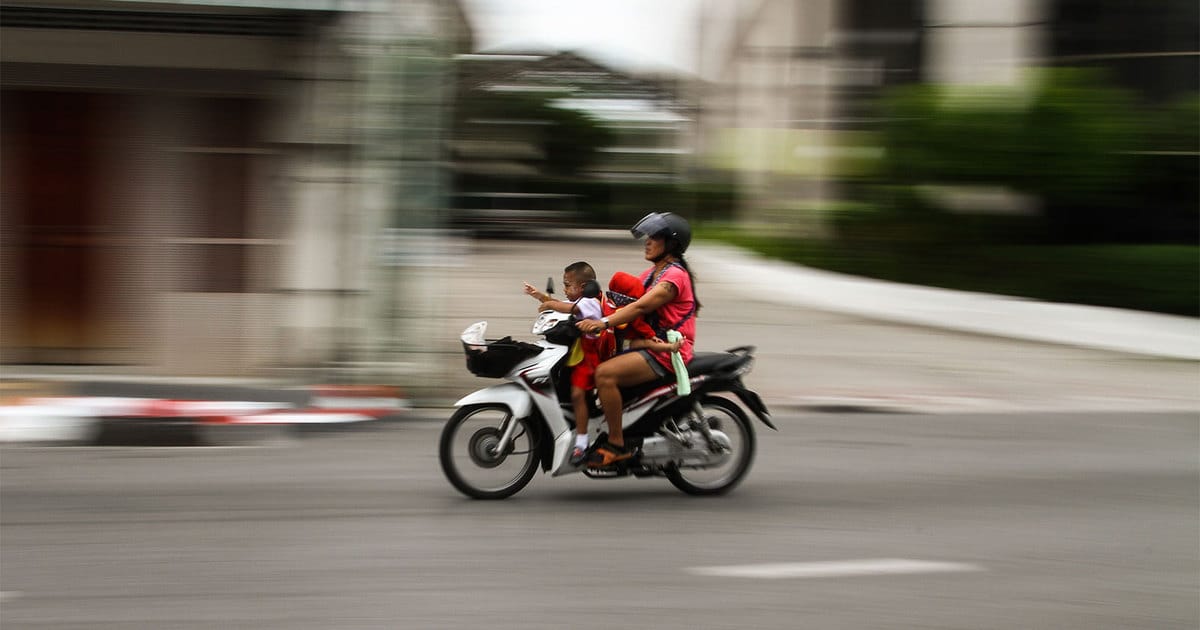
{"x":1085,"y":521}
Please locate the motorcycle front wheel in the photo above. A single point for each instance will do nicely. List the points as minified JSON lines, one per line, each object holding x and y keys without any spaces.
{"x":470,"y":457}
{"x":726,"y":416}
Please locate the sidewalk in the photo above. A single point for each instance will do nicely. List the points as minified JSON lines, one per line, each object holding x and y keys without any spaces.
{"x":1120,"y":330}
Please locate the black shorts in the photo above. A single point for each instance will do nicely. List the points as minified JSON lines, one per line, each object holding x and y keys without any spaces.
{"x":659,"y":370}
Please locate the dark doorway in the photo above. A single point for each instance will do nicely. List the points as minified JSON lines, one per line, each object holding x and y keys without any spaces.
{"x":54,"y":143}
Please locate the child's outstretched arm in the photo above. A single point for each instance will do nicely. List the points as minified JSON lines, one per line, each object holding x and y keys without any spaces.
{"x":557,"y":305}
{"x":547,"y":303}
{"x":535,"y":294}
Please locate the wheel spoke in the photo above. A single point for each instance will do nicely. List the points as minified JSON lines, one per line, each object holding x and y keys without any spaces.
{"x":469,"y":457}
{"x":733,"y":422}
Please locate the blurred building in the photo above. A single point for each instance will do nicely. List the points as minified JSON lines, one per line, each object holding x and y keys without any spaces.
{"x":647,"y":116}
{"x":787,"y":84}
{"x":196,"y":187}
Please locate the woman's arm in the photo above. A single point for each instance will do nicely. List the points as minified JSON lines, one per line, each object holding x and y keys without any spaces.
{"x":657,"y":345}
{"x":662,"y":293}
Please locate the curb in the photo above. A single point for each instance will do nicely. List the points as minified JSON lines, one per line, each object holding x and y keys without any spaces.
{"x":144,"y":421}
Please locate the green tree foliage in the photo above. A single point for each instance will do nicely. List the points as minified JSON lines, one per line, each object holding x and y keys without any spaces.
{"x":1169,"y":171}
{"x":1081,"y":138}
{"x":1074,"y":142}
{"x":1067,"y":138}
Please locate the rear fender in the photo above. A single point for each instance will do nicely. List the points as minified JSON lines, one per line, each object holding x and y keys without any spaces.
{"x":753,"y":402}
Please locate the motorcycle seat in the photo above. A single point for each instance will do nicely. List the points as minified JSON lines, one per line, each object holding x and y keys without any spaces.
{"x":709,"y":362}
{"x":702,"y":363}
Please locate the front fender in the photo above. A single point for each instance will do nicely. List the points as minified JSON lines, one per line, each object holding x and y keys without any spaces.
{"x":508,"y":394}
{"x":520,"y":404}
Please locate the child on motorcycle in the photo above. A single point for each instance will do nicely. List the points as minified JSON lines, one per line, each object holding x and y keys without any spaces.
{"x":579,"y":283}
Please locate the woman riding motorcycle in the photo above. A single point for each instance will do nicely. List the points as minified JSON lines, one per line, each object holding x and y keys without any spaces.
{"x":669,"y":303}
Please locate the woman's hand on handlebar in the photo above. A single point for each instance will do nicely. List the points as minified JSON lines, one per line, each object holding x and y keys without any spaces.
{"x":590,"y":326}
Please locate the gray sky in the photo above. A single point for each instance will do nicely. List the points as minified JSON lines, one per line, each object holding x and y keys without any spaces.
{"x":629,"y":34}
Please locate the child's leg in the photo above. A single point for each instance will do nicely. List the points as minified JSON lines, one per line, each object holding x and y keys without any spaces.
{"x":579,"y":400}
{"x":582,"y":383}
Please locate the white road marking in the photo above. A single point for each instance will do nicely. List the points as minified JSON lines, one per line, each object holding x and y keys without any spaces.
{"x":842,"y":568}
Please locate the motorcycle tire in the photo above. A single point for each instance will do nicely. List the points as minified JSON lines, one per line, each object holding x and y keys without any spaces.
{"x":727,"y":413}
{"x":480,"y":457}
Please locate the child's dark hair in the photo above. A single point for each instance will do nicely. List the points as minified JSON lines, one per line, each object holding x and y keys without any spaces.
{"x":582,"y":269}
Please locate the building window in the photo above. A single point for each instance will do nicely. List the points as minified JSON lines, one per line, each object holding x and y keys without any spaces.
{"x":217,"y":246}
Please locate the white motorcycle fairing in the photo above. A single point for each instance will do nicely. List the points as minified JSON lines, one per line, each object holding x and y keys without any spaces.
{"x":510,"y":395}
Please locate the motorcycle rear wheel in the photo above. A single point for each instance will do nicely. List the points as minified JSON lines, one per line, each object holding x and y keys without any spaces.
{"x":734,"y":422}
{"x":470,"y":461}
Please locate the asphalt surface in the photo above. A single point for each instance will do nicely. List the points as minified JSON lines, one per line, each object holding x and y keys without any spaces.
{"x":1060,"y":521}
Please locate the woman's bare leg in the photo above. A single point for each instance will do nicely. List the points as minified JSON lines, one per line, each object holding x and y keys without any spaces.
{"x":620,"y":371}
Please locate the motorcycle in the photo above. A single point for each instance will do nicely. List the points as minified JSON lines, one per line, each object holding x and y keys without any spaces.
{"x":493,"y":444}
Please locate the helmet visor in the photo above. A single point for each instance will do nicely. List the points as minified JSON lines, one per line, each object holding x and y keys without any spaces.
{"x":650,"y":225}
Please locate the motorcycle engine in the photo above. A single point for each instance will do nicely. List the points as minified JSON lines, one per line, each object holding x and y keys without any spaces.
{"x":658,"y":450}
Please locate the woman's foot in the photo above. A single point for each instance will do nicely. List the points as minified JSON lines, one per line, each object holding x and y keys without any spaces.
{"x":608,"y":454}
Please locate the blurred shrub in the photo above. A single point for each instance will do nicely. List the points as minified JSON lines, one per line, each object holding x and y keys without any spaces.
{"x":1162,"y":278}
{"x":709,"y":197}
{"x":1168,"y":183}
{"x":1080,"y":137}
{"x":938,"y":135}
{"x":712,"y":197}
{"x":1103,"y":169}
{"x":900,"y":220}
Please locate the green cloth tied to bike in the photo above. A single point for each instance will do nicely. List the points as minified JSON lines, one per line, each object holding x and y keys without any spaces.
{"x":683,"y":385}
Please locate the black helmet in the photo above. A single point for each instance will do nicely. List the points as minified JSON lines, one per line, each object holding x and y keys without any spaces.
{"x":672,"y":227}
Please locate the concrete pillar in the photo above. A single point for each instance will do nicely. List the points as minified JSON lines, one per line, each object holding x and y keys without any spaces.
{"x":318,"y":275}
{"x":988,"y":42}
